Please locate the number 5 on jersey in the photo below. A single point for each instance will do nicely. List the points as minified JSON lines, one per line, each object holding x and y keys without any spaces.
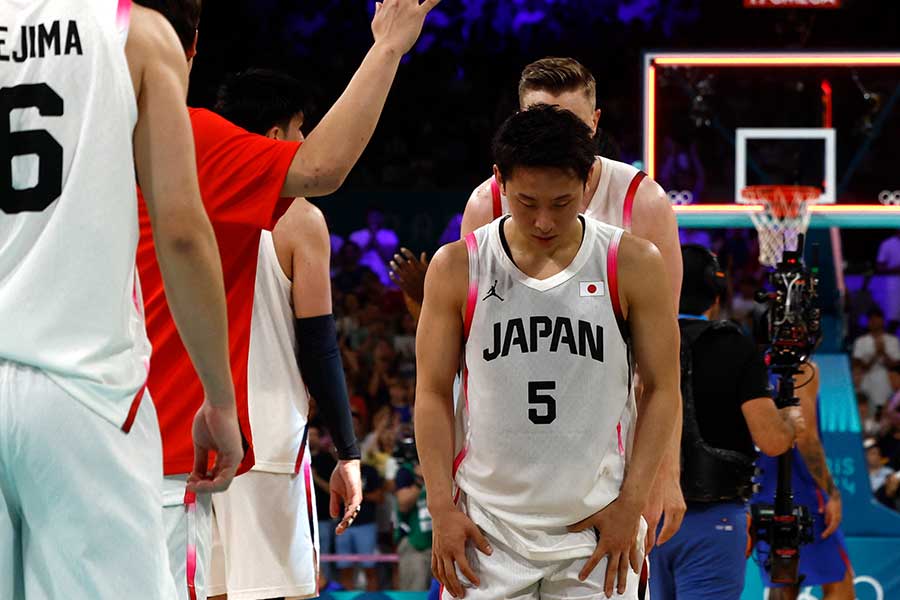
{"x":536,"y":398}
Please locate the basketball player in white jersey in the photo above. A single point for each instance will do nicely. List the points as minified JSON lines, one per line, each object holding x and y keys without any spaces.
{"x":86,"y":86}
{"x":545,"y":306}
{"x":265,"y":538}
{"x":618,"y":194}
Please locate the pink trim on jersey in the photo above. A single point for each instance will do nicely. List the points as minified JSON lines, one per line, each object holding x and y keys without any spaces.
{"x":619,"y":435}
{"x":498,"y":201}
{"x":628,"y":205}
{"x":465,"y":449}
{"x":472,"y":298}
{"x":612,"y":276}
{"x":123,"y":14}
{"x":132,"y":412}
{"x":190,"y":506}
{"x":461,"y":456}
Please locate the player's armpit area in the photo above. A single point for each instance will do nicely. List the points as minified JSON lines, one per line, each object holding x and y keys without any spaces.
{"x":479,"y":209}
{"x":440,"y":332}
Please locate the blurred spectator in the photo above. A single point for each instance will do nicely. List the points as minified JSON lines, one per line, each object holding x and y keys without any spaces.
{"x":348,"y":322}
{"x":376,"y":243}
{"x":399,"y":395}
{"x":358,"y":403}
{"x":380,"y":451}
{"x":682,"y":172}
{"x":452,"y":230}
{"x":889,"y":493}
{"x":888,"y":264}
{"x":878,"y":470}
{"x":382,"y":370}
{"x":361,"y":537}
{"x":323,"y":464}
{"x":889,"y":440}
{"x":875,"y":353}
{"x":349,"y":272}
{"x":337,"y":242}
{"x":743,"y":304}
{"x":868,"y":423}
{"x":414,"y":521}
{"x":405,"y":346}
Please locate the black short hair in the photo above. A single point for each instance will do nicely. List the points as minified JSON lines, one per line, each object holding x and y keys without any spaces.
{"x":184,"y":16}
{"x":259,"y":99}
{"x":698,"y":293}
{"x":874,"y":312}
{"x":544,"y":136}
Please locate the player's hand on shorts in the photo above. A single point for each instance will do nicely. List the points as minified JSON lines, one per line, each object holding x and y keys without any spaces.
{"x":408,"y":272}
{"x":833,"y":514}
{"x":451,"y":530}
{"x":667,"y":506}
{"x":216,"y":429}
{"x":346,"y":489}
{"x":617,"y":525}
{"x":398,"y":23}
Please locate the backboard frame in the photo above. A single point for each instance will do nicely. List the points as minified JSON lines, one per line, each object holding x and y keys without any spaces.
{"x":744,"y":134}
{"x":737,"y":215}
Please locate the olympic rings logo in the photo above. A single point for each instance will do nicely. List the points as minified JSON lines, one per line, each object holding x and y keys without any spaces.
{"x":889,"y":198}
{"x":806,"y":593}
{"x":683,"y":197}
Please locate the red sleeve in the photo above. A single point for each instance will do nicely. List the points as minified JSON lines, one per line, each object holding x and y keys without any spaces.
{"x":241,"y":173}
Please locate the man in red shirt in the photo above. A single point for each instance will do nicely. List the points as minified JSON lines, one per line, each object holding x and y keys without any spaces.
{"x":247,"y":181}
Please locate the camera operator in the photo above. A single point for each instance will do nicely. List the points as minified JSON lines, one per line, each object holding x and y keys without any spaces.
{"x":825,"y":561}
{"x":727,"y":409}
{"x":413,"y":520}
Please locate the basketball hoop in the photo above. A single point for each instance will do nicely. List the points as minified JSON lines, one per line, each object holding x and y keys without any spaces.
{"x":785,"y":214}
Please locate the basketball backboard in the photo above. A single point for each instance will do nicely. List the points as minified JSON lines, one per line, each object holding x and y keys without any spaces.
{"x":715,"y":123}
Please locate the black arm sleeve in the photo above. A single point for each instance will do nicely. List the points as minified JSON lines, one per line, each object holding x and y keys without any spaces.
{"x":319,"y":359}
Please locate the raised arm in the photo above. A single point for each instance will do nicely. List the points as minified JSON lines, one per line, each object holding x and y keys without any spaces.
{"x":185,"y":245}
{"x":331,"y":150}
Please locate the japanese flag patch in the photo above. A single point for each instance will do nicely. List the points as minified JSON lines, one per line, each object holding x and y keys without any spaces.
{"x":591,"y":288}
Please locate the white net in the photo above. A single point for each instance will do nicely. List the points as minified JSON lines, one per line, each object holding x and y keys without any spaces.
{"x":785,"y":215}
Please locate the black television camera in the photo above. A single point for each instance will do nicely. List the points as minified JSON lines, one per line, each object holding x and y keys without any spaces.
{"x":790,"y":331}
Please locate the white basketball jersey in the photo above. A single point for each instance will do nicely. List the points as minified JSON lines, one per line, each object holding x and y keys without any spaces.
{"x":69,"y":300}
{"x":277,"y":400}
{"x":611,"y":202}
{"x":547,"y":378}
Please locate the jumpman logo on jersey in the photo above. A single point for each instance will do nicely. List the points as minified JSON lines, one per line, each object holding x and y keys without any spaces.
{"x":493,"y":292}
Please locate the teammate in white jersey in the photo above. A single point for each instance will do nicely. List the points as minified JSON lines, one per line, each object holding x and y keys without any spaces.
{"x":89,"y":86}
{"x":265,"y":538}
{"x":545,"y":306}
{"x":617,"y":193}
